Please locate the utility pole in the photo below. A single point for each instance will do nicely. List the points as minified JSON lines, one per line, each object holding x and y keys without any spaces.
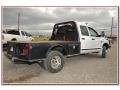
{"x":112,"y":27}
{"x":18,"y":21}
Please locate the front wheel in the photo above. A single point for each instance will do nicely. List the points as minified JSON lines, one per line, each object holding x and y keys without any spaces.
{"x":104,"y":52}
{"x":54,"y":62}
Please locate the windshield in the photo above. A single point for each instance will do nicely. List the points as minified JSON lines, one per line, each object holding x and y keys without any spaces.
{"x":25,"y":33}
{"x":65,"y":32}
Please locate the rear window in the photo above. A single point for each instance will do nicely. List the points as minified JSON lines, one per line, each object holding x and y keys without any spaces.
{"x":3,"y":31}
{"x":13,"y":32}
{"x":84,"y":30}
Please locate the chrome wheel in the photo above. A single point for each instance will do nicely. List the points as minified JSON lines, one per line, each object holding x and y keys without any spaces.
{"x":55,"y":62}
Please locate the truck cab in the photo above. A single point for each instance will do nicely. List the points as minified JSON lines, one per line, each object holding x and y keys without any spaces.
{"x":86,"y":38}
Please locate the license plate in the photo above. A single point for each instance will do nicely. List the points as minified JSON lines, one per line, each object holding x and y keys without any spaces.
{"x":11,"y":49}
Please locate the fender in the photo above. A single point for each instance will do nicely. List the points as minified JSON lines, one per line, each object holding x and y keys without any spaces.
{"x":55,"y":46}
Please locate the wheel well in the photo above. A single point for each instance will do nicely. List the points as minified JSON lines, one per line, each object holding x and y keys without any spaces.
{"x":60,"y":49}
{"x":14,"y":39}
{"x":105,"y":44}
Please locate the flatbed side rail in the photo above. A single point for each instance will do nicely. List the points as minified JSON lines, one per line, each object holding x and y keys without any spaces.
{"x":24,"y":60}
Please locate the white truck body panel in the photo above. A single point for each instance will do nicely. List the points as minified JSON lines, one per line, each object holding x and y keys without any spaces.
{"x":9,"y":37}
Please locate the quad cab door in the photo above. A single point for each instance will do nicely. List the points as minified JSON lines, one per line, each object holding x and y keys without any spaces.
{"x":90,"y":41}
{"x":95,"y":40}
{"x":85,"y":40}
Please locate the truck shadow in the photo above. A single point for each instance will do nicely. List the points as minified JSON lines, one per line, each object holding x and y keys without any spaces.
{"x":84,"y":57}
{"x":93,"y":55}
{"x":73,"y":58}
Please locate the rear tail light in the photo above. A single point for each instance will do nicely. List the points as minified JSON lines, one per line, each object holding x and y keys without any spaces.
{"x":26,"y":49}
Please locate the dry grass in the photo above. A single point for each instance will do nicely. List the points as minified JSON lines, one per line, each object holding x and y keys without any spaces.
{"x":41,"y":39}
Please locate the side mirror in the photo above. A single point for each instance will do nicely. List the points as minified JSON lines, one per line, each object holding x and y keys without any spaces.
{"x":102,"y":33}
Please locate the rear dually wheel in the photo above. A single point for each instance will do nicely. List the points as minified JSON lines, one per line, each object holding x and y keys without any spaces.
{"x":54,"y":62}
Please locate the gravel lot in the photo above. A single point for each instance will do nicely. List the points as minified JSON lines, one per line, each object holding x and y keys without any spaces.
{"x":84,"y":69}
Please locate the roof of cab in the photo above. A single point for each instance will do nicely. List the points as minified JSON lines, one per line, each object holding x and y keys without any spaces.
{"x":79,"y":23}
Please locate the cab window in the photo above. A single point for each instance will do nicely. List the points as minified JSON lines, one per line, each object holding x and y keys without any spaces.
{"x":84,"y":31}
{"x":14,"y":32}
{"x":23,"y":33}
{"x":93,"y":32}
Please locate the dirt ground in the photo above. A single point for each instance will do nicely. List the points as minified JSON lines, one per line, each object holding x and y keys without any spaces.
{"x":83,"y":69}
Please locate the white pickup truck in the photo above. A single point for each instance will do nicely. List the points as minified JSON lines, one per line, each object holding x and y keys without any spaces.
{"x":68,"y":39}
{"x":15,"y":35}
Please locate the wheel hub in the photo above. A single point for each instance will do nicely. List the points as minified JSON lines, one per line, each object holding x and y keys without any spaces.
{"x":55,"y":62}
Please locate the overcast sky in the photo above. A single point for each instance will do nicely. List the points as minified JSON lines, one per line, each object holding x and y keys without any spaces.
{"x":43,"y":18}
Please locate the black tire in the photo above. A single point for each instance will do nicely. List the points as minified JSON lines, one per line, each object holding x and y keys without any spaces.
{"x":54,"y":62}
{"x":104,"y":52}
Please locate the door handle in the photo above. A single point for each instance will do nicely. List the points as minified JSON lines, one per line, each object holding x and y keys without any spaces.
{"x":83,"y":38}
{"x":93,"y":39}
